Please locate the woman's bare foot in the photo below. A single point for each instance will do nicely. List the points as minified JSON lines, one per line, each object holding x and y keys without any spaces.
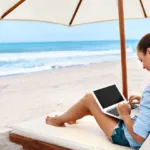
{"x":71,"y":122}
{"x":55,"y":121}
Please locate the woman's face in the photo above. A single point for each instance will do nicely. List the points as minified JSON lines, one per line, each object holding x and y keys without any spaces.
{"x":145,"y":59}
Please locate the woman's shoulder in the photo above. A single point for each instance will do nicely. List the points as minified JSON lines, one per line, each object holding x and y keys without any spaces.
{"x":146,"y":90}
{"x":147,"y":87}
{"x":145,"y":99}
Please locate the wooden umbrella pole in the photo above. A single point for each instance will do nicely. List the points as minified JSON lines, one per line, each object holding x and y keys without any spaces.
{"x":123,"y":48}
{"x":12,"y":8}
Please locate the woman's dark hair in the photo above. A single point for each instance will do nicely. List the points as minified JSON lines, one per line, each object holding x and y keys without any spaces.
{"x":144,"y":43}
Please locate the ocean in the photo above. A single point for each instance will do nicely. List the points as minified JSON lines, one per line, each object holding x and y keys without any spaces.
{"x":21,"y":58}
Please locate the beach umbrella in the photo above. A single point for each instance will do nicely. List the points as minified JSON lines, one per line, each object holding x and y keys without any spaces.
{"x":77,"y":12}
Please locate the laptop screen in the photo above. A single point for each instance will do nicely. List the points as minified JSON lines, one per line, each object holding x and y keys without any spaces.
{"x":108,"y":96}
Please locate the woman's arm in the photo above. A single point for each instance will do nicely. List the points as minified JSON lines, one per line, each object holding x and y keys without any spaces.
{"x":129,"y":124}
{"x":124,"y":111}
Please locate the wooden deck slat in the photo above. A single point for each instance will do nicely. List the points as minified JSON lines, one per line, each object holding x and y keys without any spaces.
{"x":32,"y":144}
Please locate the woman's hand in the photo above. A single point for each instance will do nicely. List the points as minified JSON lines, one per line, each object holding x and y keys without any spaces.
{"x":134,"y":99}
{"x":124,"y":109}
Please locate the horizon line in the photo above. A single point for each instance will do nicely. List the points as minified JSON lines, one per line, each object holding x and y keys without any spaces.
{"x":60,"y":41}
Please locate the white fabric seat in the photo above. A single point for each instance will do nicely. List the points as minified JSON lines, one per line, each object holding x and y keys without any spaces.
{"x":85,"y":135}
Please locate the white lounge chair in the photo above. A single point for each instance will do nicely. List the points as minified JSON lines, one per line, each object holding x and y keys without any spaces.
{"x":85,"y":135}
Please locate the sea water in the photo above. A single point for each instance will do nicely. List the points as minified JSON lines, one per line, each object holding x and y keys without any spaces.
{"x":20,"y":58}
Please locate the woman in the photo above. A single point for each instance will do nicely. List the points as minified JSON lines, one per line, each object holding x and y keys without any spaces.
{"x":127,"y":132}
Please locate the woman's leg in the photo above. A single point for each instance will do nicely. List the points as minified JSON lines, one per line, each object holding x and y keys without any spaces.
{"x":86,"y":106}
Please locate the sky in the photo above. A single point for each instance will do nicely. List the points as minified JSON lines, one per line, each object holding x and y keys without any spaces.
{"x":13,"y":31}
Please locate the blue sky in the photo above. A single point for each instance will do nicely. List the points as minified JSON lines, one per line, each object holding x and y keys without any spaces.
{"x":11,"y":31}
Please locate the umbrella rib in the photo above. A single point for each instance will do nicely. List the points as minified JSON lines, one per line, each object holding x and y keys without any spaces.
{"x":145,"y":15}
{"x":12,"y":8}
{"x":76,"y":10}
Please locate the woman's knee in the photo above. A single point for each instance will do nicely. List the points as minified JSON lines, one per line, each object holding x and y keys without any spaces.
{"x":88,"y":99}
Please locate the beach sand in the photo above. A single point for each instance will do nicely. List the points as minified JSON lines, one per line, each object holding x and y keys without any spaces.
{"x":33,"y":95}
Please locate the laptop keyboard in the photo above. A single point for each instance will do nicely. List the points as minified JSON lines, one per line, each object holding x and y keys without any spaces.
{"x":133,"y":106}
{"x":114,"y":111}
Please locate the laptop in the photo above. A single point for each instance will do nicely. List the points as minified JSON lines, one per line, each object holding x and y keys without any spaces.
{"x":108,"y":99}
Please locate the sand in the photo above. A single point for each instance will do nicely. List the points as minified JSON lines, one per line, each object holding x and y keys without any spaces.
{"x":33,"y":95}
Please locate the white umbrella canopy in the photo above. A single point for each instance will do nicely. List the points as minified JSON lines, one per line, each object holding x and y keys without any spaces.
{"x":76,"y":12}
{"x":72,"y":12}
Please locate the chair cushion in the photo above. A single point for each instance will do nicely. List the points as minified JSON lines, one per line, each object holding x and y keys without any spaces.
{"x":85,"y":135}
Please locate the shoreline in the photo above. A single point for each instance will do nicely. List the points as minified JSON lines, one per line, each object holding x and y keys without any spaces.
{"x":55,"y":69}
{"x":33,"y":95}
